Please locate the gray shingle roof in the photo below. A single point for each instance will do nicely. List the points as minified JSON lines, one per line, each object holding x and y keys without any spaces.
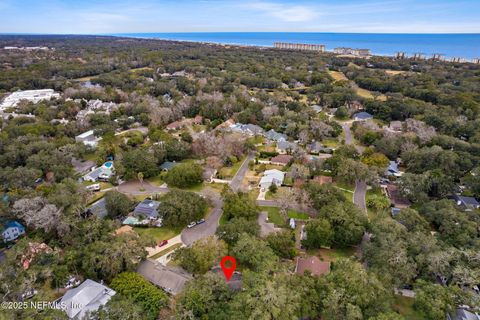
{"x":87,"y":297}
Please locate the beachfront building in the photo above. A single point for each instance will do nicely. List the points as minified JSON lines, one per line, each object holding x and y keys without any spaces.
{"x":300,"y":46}
{"x":353,"y":52}
{"x":34,"y":96}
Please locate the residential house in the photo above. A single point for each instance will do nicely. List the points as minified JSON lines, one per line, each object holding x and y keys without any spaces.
{"x":275,"y":136}
{"x":313,"y":265}
{"x":393,"y":193}
{"x":281,"y":160}
{"x":82,"y":166}
{"x":12,"y":231}
{"x":270,"y":177}
{"x":176,"y":125}
{"x":317,"y":108}
{"x":147,"y":209}
{"x":88,"y":138}
{"x":284,"y":147}
{"x":209,"y":174}
{"x":98,"y":209}
{"x":167,"y":166}
{"x":463,"y":314}
{"x":170,"y":279}
{"x":84,"y":299}
{"x":362,"y":116}
{"x":316,"y":148}
{"x":396,"y":126}
{"x":248,"y":129}
{"x":102,"y":173}
{"x":466,"y":203}
{"x":354,"y":106}
{"x":393,"y":170}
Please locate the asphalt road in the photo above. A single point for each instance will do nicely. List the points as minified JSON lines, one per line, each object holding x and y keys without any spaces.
{"x":208,"y":228}
{"x":359,"y":195}
{"x":236,"y":182}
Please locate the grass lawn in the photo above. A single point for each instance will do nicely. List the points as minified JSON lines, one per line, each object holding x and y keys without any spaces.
{"x":275,"y":217}
{"x":95,"y":197}
{"x":159,"y":234}
{"x":156,"y":181}
{"x":394,"y":72}
{"x":229,"y":172}
{"x":165,"y":251}
{"x":368,"y":94}
{"x":372,"y":193}
{"x":404,"y":306}
{"x":346,"y":186}
{"x":331,"y":143}
{"x":196,"y":188}
{"x":332,"y":254}
{"x":337,"y":75}
{"x":91,"y":157}
{"x":223,"y":219}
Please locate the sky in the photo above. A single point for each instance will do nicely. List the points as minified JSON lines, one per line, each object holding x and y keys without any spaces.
{"x":142,"y":16}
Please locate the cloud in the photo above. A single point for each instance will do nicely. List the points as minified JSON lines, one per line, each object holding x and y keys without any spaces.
{"x":288,"y":13}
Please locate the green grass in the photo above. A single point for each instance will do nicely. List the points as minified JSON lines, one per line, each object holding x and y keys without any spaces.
{"x":165,"y":251}
{"x":95,"y":197}
{"x":404,"y":306}
{"x":91,"y":157}
{"x":229,"y":172}
{"x":159,"y":234}
{"x":275,"y":217}
{"x":157,"y":180}
{"x":331,"y":143}
{"x":223,"y":219}
{"x":195,"y":188}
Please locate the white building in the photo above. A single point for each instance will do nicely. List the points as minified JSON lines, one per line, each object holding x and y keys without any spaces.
{"x":88,"y":138}
{"x":84,"y":299}
{"x":34,"y":96}
{"x":102,"y":173}
{"x":270,"y":177}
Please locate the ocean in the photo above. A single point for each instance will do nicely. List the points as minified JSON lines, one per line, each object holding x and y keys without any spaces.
{"x":450,"y":45}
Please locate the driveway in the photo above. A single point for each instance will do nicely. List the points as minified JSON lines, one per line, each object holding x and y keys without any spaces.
{"x":236,"y":182}
{"x":266,"y":227}
{"x":206,"y":229}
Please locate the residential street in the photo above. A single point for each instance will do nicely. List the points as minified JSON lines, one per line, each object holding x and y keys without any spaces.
{"x":359,"y":195}
{"x":237,"y":180}
{"x":208,"y":228}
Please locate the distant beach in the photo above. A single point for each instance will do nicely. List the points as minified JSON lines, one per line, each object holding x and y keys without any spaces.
{"x":450,"y":45}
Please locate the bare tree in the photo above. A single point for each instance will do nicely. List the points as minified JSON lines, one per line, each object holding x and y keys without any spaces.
{"x":37,"y":213}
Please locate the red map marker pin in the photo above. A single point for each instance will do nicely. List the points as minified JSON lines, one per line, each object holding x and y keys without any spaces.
{"x":228,"y":270}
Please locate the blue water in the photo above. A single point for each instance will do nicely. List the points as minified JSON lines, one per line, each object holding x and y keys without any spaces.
{"x":451,"y":45}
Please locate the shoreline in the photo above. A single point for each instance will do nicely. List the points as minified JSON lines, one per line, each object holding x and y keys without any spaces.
{"x":373,"y":54}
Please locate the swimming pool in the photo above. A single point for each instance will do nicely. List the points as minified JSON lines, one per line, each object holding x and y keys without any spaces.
{"x":108,"y":164}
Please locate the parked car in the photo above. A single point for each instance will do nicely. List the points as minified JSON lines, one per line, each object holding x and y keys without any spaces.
{"x":162,"y":243}
{"x":200,"y":221}
{"x":192,"y":224}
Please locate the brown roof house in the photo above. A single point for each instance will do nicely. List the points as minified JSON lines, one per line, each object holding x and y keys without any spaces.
{"x":313,"y":265}
{"x":281,"y":160}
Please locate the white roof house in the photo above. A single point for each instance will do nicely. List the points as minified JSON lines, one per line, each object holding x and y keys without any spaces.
{"x":87,"y":297}
{"x":270,"y":177}
{"x":101,"y":173}
{"x":34,"y":96}
{"x":88,"y":138}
